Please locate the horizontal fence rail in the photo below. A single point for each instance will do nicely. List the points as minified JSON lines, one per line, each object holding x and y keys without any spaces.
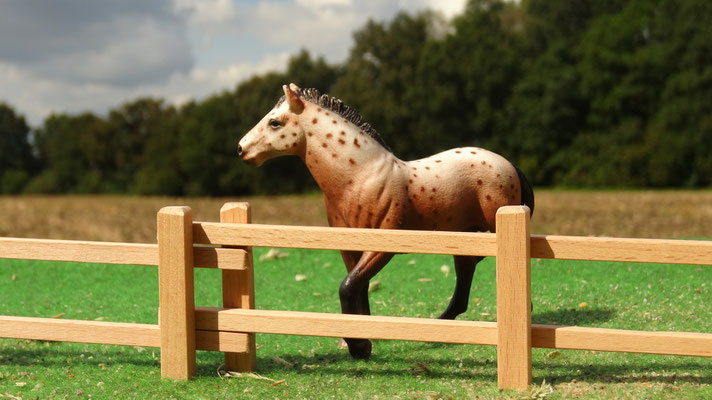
{"x":112,"y":253}
{"x":353,"y":239}
{"x":661,"y":251}
{"x":114,"y":333}
{"x":346,"y":325}
{"x":449,"y":331}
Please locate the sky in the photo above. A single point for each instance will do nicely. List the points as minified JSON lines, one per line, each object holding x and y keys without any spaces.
{"x":72,"y":56}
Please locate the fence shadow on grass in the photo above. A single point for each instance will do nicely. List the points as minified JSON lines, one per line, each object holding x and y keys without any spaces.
{"x":387,"y":364}
{"x":28,"y":353}
{"x":571,"y":316}
{"x":679,"y":370}
{"x":639,"y":371}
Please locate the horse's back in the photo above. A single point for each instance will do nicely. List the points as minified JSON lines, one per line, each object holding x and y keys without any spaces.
{"x":462,"y":188}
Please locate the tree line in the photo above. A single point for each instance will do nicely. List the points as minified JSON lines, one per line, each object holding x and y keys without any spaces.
{"x":577,"y":93}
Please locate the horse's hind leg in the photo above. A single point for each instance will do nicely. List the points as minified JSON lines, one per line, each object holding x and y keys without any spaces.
{"x":464,"y":270}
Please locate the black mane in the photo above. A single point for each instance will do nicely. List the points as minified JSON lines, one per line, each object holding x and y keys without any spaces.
{"x":333,"y":104}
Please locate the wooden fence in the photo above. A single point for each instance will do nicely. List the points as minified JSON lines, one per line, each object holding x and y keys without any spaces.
{"x":183,"y":327}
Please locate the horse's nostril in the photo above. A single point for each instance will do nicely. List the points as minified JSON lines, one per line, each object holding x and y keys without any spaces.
{"x":239,"y":150}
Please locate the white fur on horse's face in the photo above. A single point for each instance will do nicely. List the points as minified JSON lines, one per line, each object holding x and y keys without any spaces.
{"x":277,"y":134}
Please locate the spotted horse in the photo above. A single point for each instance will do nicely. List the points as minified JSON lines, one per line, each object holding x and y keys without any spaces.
{"x":366,"y":186}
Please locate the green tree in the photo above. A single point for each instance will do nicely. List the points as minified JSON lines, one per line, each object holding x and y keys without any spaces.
{"x":380,"y":70}
{"x":71,"y":151}
{"x":464,"y":80}
{"x":132,"y":126}
{"x":17,"y":162}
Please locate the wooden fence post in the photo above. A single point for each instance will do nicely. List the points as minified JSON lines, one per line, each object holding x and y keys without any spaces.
{"x":239,"y":289}
{"x":176,"y":292}
{"x":514,"y":343}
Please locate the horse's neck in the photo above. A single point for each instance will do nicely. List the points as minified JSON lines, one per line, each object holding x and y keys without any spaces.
{"x":340,"y":156}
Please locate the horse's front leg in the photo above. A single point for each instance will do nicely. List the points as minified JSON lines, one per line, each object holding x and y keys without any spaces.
{"x":354,"y":294}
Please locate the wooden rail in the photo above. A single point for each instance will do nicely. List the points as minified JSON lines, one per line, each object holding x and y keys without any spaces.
{"x":117,"y":333}
{"x":448,"y":331}
{"x":112,"y":253}
{"x":661,"y":251}
{"x":356,"y":239}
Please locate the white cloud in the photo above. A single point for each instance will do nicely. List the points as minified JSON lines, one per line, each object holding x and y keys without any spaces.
{"x":37,"y":96}
{"x":103,"y":42}
{"x":74,"y":56}
{"x":449,"y":8}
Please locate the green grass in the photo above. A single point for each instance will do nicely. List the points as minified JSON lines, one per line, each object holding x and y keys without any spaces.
{"x":618,"y":295}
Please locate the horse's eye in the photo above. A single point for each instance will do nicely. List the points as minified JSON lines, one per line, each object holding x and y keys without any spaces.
{"x":274,"y":123}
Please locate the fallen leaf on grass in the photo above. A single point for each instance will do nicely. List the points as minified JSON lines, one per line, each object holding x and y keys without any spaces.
{"x":300,"y":277}
{"x":583,"y":305}
{"x":273,"y":254}
{"x":553,"y":354}
{"x":420,"y":368}
{"x":281,"y":361}
{"x":539,"y":392}
{"x":425,"y":280}
{"x":445,"y":269}
{"x":431,"y":395}
{"x":373,"y":286}
{"x":57,"y":316}
{"x":252,"y":375}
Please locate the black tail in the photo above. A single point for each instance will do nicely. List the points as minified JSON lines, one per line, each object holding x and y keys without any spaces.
{"x":527,"y":191}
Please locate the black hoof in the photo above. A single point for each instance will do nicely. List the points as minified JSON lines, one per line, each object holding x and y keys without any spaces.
{"x":359,"y":348}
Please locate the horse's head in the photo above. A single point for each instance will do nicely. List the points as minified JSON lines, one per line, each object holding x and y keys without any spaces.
{"x":278,"y":133}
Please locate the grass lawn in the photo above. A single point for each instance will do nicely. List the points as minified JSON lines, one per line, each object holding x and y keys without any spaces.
{"x":612,"y":295}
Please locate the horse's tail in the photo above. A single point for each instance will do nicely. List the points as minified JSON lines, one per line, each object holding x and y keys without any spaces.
{"x":527,"y":191}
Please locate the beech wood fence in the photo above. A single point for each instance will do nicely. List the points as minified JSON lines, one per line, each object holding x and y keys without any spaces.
{"x":184,"y":328}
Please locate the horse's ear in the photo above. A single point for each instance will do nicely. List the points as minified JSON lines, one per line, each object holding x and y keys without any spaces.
{"x":296,"y":105}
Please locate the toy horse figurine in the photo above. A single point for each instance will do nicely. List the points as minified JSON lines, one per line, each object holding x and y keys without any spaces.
{"x":366,"y":186}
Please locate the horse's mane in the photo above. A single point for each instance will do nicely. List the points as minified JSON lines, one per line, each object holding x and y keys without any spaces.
{"x":333,"y":104}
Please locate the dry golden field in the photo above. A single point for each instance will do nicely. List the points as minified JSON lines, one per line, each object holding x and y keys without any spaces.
{"x":653,"y":214}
